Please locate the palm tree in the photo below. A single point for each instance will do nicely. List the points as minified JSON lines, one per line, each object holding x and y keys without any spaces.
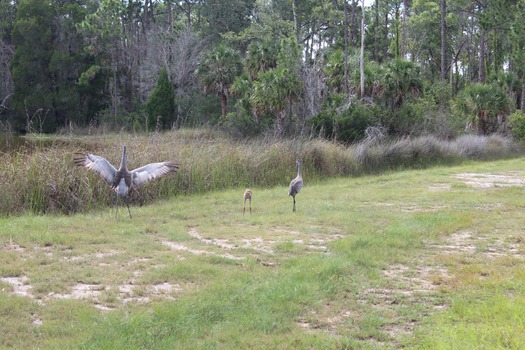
{"x":334,"y":70}
{"x":242,"y":88}
{"x":261,"y":57}
{"x":217,"y":71}
{"x":273,"y":92}
{"x":483,"y":104}
{"x":402,"y":79}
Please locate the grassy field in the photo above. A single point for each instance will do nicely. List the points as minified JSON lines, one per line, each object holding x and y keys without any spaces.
{"x":421,"y":259}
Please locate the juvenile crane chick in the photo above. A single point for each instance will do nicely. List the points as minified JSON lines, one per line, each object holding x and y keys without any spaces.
{"x":247,"y":196}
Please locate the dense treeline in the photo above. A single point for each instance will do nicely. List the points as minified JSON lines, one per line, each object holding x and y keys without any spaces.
{"x":334,"y":68}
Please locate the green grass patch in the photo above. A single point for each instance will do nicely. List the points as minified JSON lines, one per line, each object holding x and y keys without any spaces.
{"x":415,"y":259}
{"x":494,"y":322}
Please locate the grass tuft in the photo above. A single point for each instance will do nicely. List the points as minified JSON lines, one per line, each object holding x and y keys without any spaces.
{"x":44,"y":179}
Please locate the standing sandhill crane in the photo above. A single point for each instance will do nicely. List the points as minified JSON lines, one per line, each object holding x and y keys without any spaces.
{"x":247,"y":195}
{"x":296,"y":184}
{"x":123,"y":180}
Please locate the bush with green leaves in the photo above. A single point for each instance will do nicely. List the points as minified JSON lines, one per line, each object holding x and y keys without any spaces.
{"x":517,"y":125}
{"x":241,"y":123}
{"x":345,"y":119}
{"x":408,"y":119}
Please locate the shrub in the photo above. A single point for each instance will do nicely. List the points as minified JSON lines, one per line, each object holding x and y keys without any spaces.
{"x":344,"y":120}
{"x":408,"y":119}
{"x":517,"y":125}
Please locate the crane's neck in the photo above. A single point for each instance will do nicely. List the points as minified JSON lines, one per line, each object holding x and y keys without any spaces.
{"x":299,"y":168}
{"x":123,"y":161}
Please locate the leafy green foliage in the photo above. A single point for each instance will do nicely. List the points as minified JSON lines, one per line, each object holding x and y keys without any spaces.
{"x":273,"y":91}
{"x":401,"y":81}
{"x":33,"y":34}
{"x":95,"y":62}
{"x":425,"y":30}
{"x":273,"y":81}
{"x":217,"y":71}
{"x":482,"y":104}
{"x":344,"y":120}
{"x":91,"y":85}
{"x":160,"y":107}
{"x":46,"y":65}
{"x":517,"y":125}
{"x":104,"y":24}
{"x":261,"y":57}
{"x":334,"y":70}
{"x":268,"y":25}
{"x":221,"y":19}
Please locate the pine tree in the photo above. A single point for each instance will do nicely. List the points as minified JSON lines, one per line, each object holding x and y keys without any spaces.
{"x":160,"y":107}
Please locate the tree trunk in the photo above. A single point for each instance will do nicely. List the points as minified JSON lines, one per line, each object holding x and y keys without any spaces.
{"x":451,"y":75}
{"x":385,"y":37}
{"x":255,"y":116}
{"x":375,"y":54}
{"x":296,"y":26}
{"x":280,"y":121}
{"x":397,"y":34}
{"x":482,"y":123}
{"x":443,"y":40}
{"x":481,"y":68}
{"x":224,"y":107}
{"x":169,"y":9}
{"x":187,"y":11}
{"x":346,"y":47}
{"x":522,"y":102}
{"x":404,"y":31}
{"x":352,"y":38}
{"x":362,"y":56}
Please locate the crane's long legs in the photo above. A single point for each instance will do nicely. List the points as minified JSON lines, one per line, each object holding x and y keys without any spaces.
{"x":293,"y":203}
{"x":244,"y":209}
{"x":126,"y":200}
{"x":127,"y":204}
{"x":116,"y":208}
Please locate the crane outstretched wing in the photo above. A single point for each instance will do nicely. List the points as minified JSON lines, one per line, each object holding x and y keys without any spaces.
{"x":151,"y":171}
{"x":98,"y":165}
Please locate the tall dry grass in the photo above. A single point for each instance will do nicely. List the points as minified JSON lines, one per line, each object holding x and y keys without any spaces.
{"x":45,"y":180}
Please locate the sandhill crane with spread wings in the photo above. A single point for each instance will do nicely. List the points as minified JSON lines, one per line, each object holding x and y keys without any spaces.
{"x":247,"y":196}
{"x":123,"y":180}
{"x":296,"y":184}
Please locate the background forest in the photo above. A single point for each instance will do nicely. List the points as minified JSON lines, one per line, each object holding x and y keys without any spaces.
{"x":333,"y":68}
